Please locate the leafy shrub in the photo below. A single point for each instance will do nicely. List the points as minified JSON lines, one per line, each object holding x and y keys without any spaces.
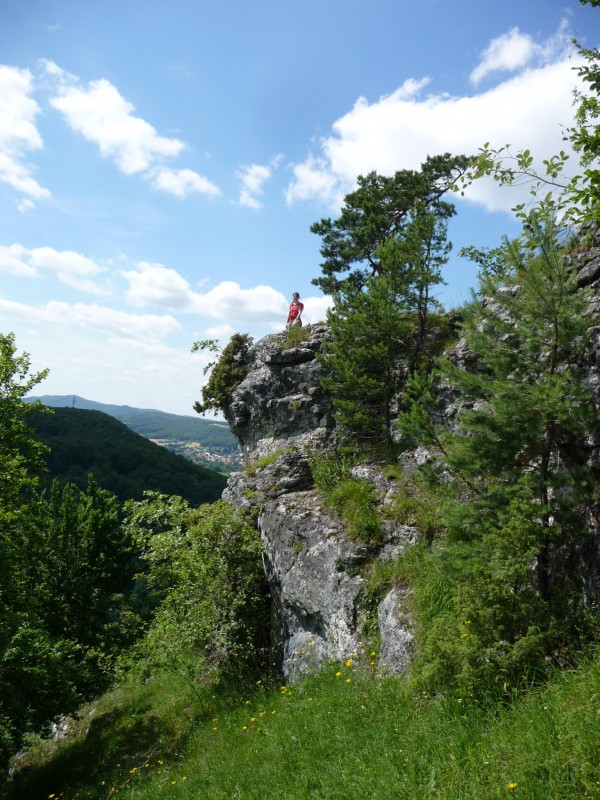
{"x":227,"y":372}
{"x":214,"y":618}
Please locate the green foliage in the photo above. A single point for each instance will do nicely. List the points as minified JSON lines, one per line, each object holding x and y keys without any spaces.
{"x":226,"y":373}
{"x":380,"y":329}
{"x":519,"y":483}
{"x":121,"y":461}
{"x":207,"y":564}
{"x":378,"y":212}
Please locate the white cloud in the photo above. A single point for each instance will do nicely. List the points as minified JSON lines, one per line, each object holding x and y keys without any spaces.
{"x":253,"y":178}
{"x":228,"y":301}
{"x":104,"y":117}
{"x":315,"y":309}
{"x":25,"y":205}
{"x":507,"y":52}
{"x":106,"y":320}
{"x":13,"y":263}
{"x":71,"y":268}
{"x":224,"y":331}
{"x":155,"y":284}
{"x":315,"y":180}
{"x":400,"y":130}
{"x":18,"y":133}
{"x":514,"y":49}
{"x":182,"y":182}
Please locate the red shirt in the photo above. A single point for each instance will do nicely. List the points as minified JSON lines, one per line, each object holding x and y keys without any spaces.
{"x":295,"y":310}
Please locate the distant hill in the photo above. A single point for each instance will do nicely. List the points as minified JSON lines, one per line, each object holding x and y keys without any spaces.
{"x":155,"y":424}
{"x":122,"y":461}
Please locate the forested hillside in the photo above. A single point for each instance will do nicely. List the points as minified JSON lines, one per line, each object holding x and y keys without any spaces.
{"x":153,"y":424}
{"x":123,"y":462}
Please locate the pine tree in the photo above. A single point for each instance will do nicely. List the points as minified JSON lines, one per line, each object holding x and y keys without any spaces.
{"x":379,"y":330}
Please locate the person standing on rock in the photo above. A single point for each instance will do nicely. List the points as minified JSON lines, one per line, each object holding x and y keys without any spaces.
{"x":294,"y":319}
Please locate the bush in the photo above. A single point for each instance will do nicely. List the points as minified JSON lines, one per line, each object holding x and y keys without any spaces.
{"x":227,"y":372}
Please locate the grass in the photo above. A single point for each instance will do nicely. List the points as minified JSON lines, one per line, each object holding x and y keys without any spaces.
{"x":295,"y":336}
{"x":347,"y":732}
{"x":265,"y":461}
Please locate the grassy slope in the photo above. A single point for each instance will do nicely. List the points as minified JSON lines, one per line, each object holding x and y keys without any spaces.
{"x":329,"y":739}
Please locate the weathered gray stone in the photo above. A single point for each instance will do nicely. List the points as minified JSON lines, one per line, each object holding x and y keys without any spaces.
{"x":396,"y":630}
{"x":281,"y":400}
{"x":289,"y":472}
{"x":317,"y":598}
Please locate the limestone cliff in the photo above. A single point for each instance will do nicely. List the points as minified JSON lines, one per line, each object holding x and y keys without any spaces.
{"x":314,"y":569}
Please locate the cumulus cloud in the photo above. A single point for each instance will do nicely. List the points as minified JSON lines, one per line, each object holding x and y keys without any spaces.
{"x":253,"y":178}
{"x":71,"y":268}
{"x":19,"y":134}
{"x":507,"y":52}
{"x":155,"y":284}
{"x":515,"y":49}
{"x":104,"y":117}
{"x":109,"y":321}
{"x":181,"y":182}
{"x":399,"y":130}
{"x":315,"y":309}
{"x":224,"y":331}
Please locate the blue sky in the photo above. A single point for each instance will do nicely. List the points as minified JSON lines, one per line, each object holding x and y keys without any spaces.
{"x":161,"y":163}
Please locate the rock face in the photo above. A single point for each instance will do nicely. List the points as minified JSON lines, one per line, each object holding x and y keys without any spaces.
{"x":281,"y":402}
{"x":314,"y":570}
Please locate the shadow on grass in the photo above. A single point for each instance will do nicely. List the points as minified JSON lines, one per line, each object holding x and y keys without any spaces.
{"x":103,"y":750}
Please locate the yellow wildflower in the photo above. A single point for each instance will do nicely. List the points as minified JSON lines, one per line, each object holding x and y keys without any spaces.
{"x":348,"y":680}
{"x":511,"y":786}
{"x":252,"y":719}
{"x":244,"y":727}
{"x":349,"y":662}
{"x":338,"y":674}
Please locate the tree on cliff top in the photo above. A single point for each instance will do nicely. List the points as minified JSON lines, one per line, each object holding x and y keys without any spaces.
{"x":226,"y":373}
{"x":380,"y":210}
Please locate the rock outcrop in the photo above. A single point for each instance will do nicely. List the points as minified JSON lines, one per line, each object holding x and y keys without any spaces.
{"x":281,"y":402}
{"x":281,"y":415}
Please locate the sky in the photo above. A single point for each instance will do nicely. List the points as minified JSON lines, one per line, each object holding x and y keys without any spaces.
{"x":161,"y":163}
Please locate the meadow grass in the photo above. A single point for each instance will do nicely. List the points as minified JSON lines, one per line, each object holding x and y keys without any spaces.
{"x":344,"y":733}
